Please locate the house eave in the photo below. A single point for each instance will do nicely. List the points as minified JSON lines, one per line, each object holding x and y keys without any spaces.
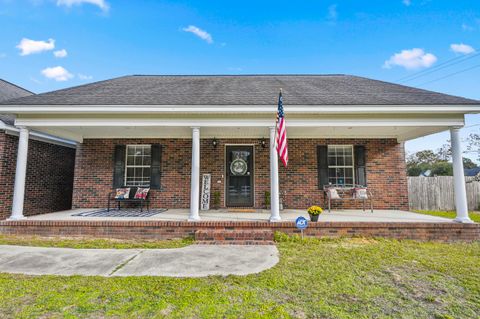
{"x":239,"y":109}
{"x":39,"y":136}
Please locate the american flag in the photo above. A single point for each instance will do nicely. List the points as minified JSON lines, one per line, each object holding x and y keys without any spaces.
{"x":281,"y":142}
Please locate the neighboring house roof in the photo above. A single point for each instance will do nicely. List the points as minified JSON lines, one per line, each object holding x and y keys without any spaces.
{"x":242,"y":90}
{"x":471,"y":171}
{"x":9,"y":91}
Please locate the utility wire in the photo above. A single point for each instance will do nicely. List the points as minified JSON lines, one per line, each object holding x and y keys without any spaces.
{"x":423,"y":71}
{"x":442,"y":66}
{"x":450,"y":75}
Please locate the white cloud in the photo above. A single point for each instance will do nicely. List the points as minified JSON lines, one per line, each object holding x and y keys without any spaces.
{"x":102,"y":4}
{"x":411,"y":59}
{"x":332,"y":13}
{"x":57,"y":73}
{"x":84,"y":77}
{"x":27,"y":46}
{"x":407,"y":2}
{"x":60,"y":53}
{"x":202,"y":34}
{"x":462,"y":48}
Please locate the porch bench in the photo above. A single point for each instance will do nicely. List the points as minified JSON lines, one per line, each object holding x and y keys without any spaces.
{"x":347,"y":193}
{"x":131,"y":199}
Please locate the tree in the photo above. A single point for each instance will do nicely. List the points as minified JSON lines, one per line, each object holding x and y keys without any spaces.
{"x":435,"y":162}
{"x":468,"y":163}
{"x":473,"y":145}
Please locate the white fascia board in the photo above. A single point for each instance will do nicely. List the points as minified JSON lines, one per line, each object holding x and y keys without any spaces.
{"x":42,"y":137}
{"x":343,"y":122}
{"x":237,"y":109}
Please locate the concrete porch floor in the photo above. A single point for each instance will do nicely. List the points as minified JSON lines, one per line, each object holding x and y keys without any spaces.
{"x":259,"y":215}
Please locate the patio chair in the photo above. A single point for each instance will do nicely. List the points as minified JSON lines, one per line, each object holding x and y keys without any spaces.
{"x":333,"y":192}
{"x":131,"y":198}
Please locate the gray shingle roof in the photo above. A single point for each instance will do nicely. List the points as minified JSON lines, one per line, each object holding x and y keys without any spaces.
{"x":241,"y":90}
{"x":10,"y":91}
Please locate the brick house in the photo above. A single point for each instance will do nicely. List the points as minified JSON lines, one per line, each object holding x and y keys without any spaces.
{"x":49,"y":177}
{"x":165,"y":132}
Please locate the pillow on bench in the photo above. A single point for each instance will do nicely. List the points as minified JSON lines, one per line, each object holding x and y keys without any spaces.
{"x":360,"y":193}
{"x":141,"y":193}
{"x":122,"y":193}
{"x":332,"y":193}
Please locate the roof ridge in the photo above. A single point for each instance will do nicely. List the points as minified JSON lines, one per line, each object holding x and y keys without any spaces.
{"x":237,"y":75}
{"x":17,"y":86}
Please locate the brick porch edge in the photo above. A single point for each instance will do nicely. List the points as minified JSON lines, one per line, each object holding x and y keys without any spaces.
{"x":151,"y":230}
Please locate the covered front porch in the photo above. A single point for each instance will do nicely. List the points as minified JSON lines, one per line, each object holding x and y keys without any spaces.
{"x":188,"y":146}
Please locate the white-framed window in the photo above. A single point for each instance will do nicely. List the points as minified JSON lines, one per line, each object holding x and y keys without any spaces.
{"x":340,"y":165}
{"x":137,"y":165}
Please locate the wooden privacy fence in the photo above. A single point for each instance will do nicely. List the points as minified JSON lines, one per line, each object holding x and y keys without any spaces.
{"x":436,"y":193}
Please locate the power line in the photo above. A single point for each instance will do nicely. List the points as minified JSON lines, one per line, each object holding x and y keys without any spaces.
{"x":423,"y":71}
{"x":443,"y":66}
{"x":450,"y":75}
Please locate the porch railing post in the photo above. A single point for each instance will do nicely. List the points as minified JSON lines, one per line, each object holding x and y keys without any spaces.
{"x":195,"y":177}
{"x":460,"y":191}
{"x":20,"y":176}
{"x":274,"y":189}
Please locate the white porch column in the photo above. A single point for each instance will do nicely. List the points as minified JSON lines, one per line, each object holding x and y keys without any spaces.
{"x":274,"y":193}
{"x":20,"y":175}
{"x":459,"y":178}
{"x":195,"y":177}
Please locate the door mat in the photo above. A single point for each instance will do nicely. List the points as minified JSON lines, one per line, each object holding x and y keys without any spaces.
{"x":121,"y":213}
{"x":242,"y":210}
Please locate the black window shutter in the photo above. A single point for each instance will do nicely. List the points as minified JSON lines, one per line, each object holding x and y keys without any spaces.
{"x":322,"y":161}
{"x":119,"y":166}
{"x":360,"y":171}
{"x":155,"y":169}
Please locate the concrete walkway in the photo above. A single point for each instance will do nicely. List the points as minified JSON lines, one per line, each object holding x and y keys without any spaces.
{"x":191,"y":261}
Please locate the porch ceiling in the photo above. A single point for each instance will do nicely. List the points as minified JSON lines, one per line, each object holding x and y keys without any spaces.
{"x":80,"y":133}
{"x":399,"y":126}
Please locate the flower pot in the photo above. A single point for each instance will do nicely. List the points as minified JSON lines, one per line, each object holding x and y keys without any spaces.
{"x":314,"y":218}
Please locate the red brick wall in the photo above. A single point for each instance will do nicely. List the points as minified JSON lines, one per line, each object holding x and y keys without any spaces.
{"x":386,"y":172}
{"x":158,"y":230}
{"x":49,"y":176}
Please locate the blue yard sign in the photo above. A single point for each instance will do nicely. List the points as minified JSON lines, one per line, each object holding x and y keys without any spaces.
{"x":301,"y":223}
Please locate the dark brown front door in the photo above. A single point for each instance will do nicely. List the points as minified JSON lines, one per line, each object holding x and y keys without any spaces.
{"x":239,"y":173}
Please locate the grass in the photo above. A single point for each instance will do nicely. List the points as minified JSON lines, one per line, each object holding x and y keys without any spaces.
{"x":475,"y":216}
{"x":344,"y":278}
{"x":91,"y":243}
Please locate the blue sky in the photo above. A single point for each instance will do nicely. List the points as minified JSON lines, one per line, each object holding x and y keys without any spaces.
{"x":72,"y":42}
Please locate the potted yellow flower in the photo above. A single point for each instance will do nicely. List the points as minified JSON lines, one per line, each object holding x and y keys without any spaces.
{"x":314,"y":212}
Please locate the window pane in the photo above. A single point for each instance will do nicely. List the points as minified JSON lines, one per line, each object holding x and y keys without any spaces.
{"x":348,"y":160}
{"x":340,"y":161}
{"x":138,"y":165}
{"x":348,"y":150}
{"x":147,"y":160}
{"x":349,"y":172}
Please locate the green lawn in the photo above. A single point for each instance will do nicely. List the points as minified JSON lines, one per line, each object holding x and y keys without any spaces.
{"x":475,"y":216}
{"x":90,"y":243}
{"x":347,"y":278}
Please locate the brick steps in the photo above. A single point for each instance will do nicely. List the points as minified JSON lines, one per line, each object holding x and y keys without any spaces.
{"x":234,"y":237}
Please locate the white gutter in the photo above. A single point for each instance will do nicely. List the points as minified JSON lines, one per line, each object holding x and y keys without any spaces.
{"x":42,"y":137}
{"x":237,"y":109}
